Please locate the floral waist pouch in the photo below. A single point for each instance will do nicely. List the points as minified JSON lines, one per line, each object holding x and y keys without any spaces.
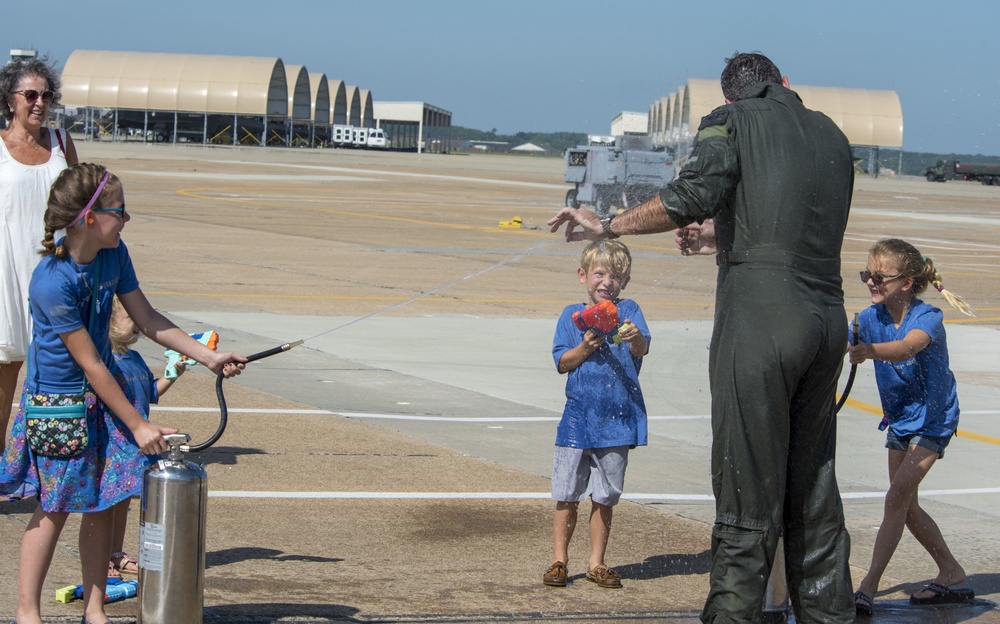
{"x":56,"y":423}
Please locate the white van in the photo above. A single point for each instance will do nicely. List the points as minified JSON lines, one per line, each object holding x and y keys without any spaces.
{"x":377,"y":139}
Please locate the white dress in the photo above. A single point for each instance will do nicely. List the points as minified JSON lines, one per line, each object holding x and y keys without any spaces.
{"x":24,"y":194}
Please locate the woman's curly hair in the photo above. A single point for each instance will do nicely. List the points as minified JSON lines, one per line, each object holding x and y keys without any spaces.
{"x":12,"y":73}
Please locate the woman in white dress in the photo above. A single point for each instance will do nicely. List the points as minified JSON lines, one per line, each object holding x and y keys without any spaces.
{"x":31,"y":156}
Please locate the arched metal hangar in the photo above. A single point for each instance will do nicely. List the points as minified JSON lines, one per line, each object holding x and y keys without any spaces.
{"x":869,"y":118}
{"x":171,"y":96}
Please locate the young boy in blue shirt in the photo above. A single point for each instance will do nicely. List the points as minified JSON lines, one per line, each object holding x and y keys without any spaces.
{"x":605,"y":414}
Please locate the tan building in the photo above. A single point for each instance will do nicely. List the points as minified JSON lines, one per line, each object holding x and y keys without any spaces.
{"x":411,"y":125}
{"x":867,"y":117}
{"x":222,"y":99}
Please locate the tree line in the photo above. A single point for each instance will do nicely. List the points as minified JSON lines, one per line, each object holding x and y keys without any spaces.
{"x":555,"y":143}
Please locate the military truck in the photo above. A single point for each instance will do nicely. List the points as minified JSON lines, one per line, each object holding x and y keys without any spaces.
{"x":615,"y":173}
{"x":954,"y":170}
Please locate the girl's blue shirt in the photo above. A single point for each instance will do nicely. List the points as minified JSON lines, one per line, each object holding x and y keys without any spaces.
{"x":604,"y":404}
{"x":139,"y":378}
{"x":918,"y":395}
{"x":60,"y":299}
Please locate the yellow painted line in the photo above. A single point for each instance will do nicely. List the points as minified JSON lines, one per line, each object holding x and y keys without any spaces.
{"x":979,"y":319}
{"x":871,"y":409}
{"x":864,"y":407}
{"x":977,"y":436}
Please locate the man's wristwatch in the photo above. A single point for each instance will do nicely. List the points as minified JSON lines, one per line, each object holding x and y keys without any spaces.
{"x":606,"y":226}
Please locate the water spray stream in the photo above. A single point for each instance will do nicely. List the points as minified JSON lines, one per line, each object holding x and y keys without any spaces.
{"x":434,"y":290}
{"x":224,"y":411}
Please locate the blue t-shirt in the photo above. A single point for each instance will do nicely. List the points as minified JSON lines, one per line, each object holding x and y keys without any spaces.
{"x":604,"y":405}
{"x":60,"y":299}
{"x":920,"y":394}
{"x":139,"y":378}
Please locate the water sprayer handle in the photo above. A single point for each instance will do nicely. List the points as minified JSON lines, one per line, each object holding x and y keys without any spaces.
{"x":177,"y":439}
{"x":223,"y":409}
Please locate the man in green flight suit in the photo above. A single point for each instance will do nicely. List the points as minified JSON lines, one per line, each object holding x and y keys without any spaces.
{"x":776,"y":179}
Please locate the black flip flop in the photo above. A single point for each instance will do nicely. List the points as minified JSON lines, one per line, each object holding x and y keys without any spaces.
{"x":863,"y":604}
{"x":943,"y":595}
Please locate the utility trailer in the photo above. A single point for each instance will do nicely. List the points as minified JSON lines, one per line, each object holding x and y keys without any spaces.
{"x":953,"y":170}
{"x":616,"y":173}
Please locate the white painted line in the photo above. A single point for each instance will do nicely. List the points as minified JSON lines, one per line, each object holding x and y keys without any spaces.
{"x":399,"y":416}
{"x":379,"y":495}
{"x":995,"y":490}
{"x":494,"y":419}
{"x":451,"y":419}
{"x":534,"y":495}
{"x":926,"y":216}
{"x":436,"y":495}
{"x":232,"y":410}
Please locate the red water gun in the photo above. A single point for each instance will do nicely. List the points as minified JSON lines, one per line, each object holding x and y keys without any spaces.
{"x":601,"y":317}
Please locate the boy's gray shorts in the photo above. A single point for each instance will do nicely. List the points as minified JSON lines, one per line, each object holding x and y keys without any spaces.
{"x":600,"y":473}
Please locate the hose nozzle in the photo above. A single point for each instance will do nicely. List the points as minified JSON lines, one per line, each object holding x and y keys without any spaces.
{"x":274,"y":351}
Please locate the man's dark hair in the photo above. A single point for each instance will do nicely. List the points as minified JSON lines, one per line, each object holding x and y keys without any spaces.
{"x":745,"y":70}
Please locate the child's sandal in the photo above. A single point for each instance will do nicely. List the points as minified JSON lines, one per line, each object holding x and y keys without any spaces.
{"x":863,"y":604}
{"x":124,"y":562}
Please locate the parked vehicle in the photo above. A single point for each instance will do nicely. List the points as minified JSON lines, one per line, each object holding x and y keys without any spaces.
{"x":616,"y":173}
{"x":343,"y":135}
{"x":377,"y":139}
{"x":953,"y":170}
{"x":360,"y":137}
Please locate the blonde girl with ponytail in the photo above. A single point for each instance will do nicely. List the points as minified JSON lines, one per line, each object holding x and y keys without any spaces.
{"x":905,"y":339}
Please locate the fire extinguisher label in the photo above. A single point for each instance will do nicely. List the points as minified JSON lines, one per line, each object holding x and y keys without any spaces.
{"x":151,"y":546}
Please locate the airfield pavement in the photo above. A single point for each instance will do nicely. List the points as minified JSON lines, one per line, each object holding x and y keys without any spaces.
{"x":395,"y":467}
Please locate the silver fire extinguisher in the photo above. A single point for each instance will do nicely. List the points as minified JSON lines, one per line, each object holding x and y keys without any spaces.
{"x":172,"y":539}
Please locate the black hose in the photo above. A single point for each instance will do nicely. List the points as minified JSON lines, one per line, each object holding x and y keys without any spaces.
{"x":223,"y":410}
{"x":854,"y":369}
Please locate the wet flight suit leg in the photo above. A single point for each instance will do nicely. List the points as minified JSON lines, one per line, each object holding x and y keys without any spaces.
{"x":777,"y":178}
{"x":776,"y":355}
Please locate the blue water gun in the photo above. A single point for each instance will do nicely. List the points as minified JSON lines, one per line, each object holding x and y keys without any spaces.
{"x":210,"y":339}
{"x":117,"y":589}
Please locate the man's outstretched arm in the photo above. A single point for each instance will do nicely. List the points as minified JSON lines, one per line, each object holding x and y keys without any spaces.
{"x":581,"y":224}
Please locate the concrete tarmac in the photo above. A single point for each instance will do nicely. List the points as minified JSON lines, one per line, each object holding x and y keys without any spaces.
{"x":394,"y":468}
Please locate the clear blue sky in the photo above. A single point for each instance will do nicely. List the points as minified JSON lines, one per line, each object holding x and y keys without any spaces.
{"x":555,"y":65}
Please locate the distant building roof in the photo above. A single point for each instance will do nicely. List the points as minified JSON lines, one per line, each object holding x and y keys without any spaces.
{"x":528,"y":147}
{"x":181,"y":82}
{"x":867,"y":116}
{"x":628,"y":122}
{"x":484,"y":146}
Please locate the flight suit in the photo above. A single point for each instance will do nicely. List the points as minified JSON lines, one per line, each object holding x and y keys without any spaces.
{"x":777,"y":178}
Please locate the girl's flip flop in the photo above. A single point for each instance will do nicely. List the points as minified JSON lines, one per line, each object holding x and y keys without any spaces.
{"x":941,"y":594}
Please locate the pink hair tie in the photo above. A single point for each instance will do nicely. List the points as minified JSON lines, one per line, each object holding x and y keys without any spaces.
{"x":90,"y":204}
{"x":940,"y":288}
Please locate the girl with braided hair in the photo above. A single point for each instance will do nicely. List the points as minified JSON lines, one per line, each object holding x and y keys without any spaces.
{"x":99,"y":462}
{"x":905,"y":338}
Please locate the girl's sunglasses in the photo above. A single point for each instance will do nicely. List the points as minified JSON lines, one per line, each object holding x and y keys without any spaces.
{"x":32,"y":96}
{"x":877,"y":278}
{"x":118,"y":212}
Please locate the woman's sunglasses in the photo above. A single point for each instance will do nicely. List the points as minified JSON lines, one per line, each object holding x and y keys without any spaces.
{"x":32,"y":96}
{"x":877,"y":278}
